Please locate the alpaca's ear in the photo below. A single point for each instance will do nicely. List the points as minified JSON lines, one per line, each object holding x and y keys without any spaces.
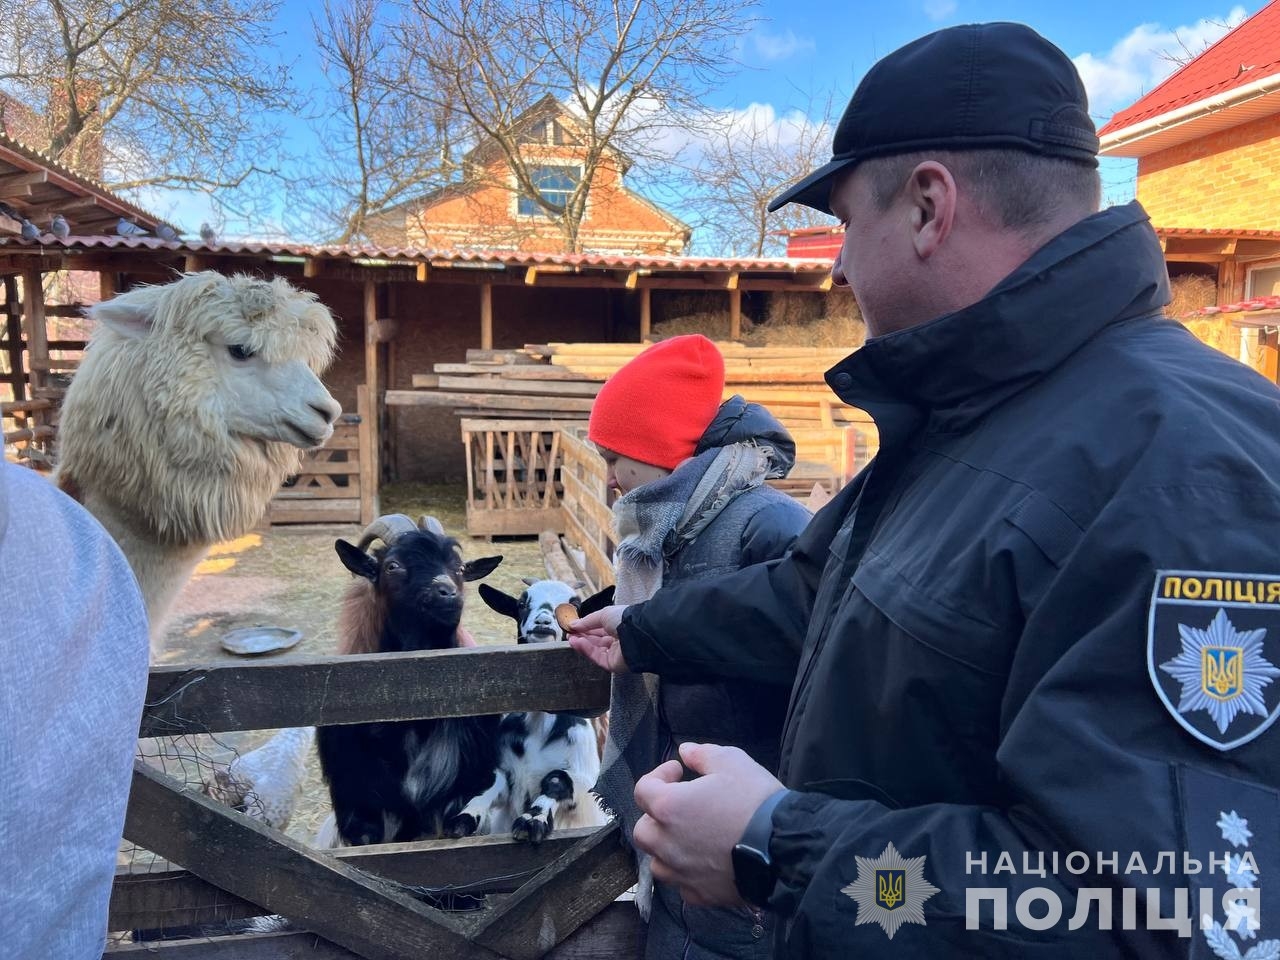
{"x":130,"y":314}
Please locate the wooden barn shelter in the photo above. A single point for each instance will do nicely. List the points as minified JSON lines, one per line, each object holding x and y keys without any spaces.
{"x":400,"y":312}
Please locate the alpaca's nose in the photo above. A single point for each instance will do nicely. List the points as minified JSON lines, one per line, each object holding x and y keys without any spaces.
{"x":329,"y":410}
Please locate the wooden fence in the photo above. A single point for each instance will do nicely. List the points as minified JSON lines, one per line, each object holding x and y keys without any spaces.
{"x":341,"y":902}
{"x":336,"y":483}
{"x":512,"y":401}
{"x":587,"y":517}
{"x":513,"y":482}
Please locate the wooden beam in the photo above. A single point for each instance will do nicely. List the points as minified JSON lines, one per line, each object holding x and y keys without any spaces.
{"x":157,"y":895}
{"x":731,"y":281}
{"x":579,"y":884}
{"x":318,"y":691}
{"x":735,"y":311}
{"x":486,"y":317}
{"x":614,"y":932}
{"x":372,"y":382}
{"x":285,"y":877}
{"x":65,"y":205}
{"x":443,"y":398}
{"x":13,"y":337}
{"x":645,"y":315}
{"x":311,"y":268}
{"x":632,"y":277}
{"x":1195,"y":257}
{"x":368,"y":479}
{"x":19,"y":184}
{"x":423,"y":272}
{"x":531,"y":276}
{"x":36,"y":331}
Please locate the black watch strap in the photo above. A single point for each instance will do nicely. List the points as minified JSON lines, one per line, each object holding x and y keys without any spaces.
{"x":753,"y":869}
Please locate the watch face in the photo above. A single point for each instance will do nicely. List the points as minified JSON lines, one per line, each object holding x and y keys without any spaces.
{"x":753,"y":874}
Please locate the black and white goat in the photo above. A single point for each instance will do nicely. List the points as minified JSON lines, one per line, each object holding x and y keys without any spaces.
{"x":401,"y":781}
{"x":547,"y":762}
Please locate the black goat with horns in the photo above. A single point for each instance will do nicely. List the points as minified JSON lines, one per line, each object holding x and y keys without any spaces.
{"x":399,"y":781}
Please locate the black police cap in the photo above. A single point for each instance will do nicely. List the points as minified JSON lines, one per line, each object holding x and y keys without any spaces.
{"x":981,"y":85}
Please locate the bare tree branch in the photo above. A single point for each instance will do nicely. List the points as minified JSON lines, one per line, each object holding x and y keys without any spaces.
{"x":149,"y":93}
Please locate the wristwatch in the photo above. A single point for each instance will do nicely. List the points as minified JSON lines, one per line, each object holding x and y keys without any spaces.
{"x":754,"y":871}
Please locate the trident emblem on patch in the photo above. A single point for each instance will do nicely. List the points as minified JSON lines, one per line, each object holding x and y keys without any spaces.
{"x":1207,"y":646}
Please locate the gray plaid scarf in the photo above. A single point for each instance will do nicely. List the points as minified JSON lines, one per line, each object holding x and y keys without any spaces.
{"x":654,"y":522}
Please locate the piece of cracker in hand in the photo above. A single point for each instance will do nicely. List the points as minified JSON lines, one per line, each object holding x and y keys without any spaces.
{"x":566,"y":613}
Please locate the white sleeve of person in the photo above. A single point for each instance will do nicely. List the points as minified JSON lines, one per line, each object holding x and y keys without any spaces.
{"x":73,"y":673}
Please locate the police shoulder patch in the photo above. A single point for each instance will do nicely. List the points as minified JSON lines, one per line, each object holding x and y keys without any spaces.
{"x":1213,"y":642}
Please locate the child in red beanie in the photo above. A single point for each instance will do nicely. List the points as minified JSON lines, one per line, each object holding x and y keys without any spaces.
{"x":694,"y":504}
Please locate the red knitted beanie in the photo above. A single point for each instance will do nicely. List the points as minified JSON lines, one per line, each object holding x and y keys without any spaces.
{"x":656,"y":407}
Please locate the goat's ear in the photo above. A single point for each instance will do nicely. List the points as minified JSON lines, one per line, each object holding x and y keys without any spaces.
{"x":597,"y":601}
{"x":503,"y":603}
{"x":130,"y":314}
{"x":356,"y":560}
{"x":480,"y":568}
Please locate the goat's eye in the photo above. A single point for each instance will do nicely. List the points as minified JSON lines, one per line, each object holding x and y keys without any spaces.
{"x":239,"y":351}
{"x":391,"y":565}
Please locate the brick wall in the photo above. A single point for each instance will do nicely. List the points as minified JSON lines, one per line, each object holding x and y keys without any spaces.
{"x":1226,"y":180}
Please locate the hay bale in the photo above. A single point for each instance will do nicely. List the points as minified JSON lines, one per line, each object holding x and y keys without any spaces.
{"x":1191,"y":292}
{"x":788,"y":319}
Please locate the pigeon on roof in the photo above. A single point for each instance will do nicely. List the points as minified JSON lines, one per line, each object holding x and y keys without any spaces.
{"x":10,"y":211}
{"x":127,"y":228}
{"x":30,"y":231}
{"x":207,"y":233}
{"x":59,"y":227}
{"x":166,"y":232}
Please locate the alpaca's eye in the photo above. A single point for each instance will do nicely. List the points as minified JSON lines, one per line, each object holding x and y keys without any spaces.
{"x":239,"y":352}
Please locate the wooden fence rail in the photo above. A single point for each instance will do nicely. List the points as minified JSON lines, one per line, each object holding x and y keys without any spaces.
{"x":222,"y":865}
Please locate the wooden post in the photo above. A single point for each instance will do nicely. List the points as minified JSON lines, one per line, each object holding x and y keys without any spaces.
{"x":735,"y":314}
{"x":108,"y":284}
{"x":486,"y":316}
{"x":645,"y":317}
{"x":368,"y":456}
{"x":374,"y":405}
{"x":37,"y":344}
{"x":13,"y":334}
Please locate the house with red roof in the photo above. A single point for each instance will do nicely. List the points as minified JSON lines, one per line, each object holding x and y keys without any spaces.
{"x":1207,"y":142}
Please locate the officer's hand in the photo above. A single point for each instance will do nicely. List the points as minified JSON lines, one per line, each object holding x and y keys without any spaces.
{"x":690,"y":827}
{"x":595,"y":636}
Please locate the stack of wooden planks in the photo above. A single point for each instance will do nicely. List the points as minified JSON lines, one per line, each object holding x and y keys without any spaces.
{"x":522,"y":395}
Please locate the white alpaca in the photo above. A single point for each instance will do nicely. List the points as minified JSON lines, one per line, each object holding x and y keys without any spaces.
{"x":192,"y":405}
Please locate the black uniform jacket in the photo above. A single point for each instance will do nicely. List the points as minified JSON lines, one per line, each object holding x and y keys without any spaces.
{"x":1044,"y":621}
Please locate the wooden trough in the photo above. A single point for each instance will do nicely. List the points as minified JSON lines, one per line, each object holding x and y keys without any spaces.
{"x":553,"y":900}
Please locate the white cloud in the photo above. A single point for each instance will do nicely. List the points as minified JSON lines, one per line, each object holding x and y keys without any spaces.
{"x":938,"y":10}
{"x":1145,"y":57}
{"x":780,"y":46}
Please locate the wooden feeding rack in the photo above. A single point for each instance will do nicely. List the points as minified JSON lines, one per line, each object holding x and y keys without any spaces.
{"x":510,"y":401}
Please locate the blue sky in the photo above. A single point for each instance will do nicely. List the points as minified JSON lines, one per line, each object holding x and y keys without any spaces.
{"x":799,"y":51}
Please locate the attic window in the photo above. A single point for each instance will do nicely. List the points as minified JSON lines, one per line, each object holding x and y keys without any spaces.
{"x":555,"y":184}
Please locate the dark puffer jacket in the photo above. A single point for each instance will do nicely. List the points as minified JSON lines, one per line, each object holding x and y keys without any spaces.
{"x":756,"y":526}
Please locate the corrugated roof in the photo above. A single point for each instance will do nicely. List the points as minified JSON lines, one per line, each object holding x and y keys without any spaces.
{"x":1217,"y":232}
{"x":1249,"y":52}
{"x":88,"y":202}
{"x":479,"y":258}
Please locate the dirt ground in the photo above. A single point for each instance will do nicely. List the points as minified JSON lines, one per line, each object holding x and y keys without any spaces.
{"x":291,"y":577}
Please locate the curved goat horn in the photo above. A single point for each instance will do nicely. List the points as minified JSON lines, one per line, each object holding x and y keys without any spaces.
{"x":431,"y":525}
{"x":386,"y":528}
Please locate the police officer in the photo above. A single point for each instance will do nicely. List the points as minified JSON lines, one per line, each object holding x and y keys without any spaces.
{"x":1034,"y":646}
